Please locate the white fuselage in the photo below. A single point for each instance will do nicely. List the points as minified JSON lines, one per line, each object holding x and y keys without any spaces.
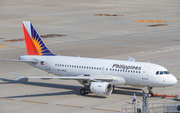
{"x":134,"y":73}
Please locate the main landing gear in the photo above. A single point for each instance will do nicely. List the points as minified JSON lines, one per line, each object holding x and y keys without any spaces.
{"x":85,"y":90}
{"x":150,"y":91}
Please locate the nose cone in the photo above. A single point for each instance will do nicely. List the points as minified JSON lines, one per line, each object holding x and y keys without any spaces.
{"x":172,"y":80}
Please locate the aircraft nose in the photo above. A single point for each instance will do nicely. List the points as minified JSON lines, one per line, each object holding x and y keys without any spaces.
{"x":173,"y":80}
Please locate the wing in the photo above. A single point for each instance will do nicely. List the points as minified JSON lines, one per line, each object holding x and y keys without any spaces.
{"x":81,"y":77}
{"x":130,"y":59}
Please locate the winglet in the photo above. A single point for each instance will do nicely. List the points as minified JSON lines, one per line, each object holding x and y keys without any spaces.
{"x":130,"y":59}
{"x":34,"y":43}
{"x":17,"y":77}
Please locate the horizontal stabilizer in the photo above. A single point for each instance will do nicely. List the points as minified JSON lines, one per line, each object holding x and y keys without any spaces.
{"x":17,"y":60}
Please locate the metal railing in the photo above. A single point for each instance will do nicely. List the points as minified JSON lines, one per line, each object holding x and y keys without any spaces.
{"x":152,"y":107}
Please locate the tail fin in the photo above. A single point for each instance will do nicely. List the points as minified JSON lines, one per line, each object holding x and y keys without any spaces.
{"x":34,"y":43}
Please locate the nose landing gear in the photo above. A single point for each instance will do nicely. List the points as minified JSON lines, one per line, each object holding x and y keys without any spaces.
{"x":150,"y":94}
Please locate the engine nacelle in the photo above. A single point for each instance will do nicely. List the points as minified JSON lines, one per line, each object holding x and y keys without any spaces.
{"x":101,"y":88}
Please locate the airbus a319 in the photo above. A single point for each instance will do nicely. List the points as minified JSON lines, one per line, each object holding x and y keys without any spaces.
{"x":97,"y":75}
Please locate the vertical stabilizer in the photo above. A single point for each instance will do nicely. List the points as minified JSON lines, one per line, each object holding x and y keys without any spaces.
{"x":34,"y":43}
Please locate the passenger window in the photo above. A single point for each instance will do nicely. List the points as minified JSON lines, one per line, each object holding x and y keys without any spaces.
{"x":74,"y":66}
{"x":99,"y":68}
{"x":136,"y":71}
{"x":110,"y":69}
{"x":115,"y":69}
{"x":118,"y":69}
{"x":161,"y":73}
{"x":128,"y":70}
{"x":157,"y":72}
{"x":59,"y":64}
{"x":67,"y":65}
{"x":139,"y":71}
{"x":70,"y":66}
{"x":63,"y":65}
{"x":106,"y":69}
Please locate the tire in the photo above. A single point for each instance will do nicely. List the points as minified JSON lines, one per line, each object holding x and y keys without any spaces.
{"x":83,"y":92}
{"x":150,"y":95}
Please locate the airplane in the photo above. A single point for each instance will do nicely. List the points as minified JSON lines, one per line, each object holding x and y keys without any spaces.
{"x":98,"y":76}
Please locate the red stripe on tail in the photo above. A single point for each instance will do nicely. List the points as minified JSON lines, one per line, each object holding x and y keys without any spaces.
{"x":31,"y":49}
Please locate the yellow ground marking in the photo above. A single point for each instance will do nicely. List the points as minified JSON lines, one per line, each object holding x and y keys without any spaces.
{"x":178,"y":78}
{"x":69,"y":106}
{"x":2,"y":46}
{"x":151,"y":21}
{"x":105,"y":110}
{"x":115,"y":46}
{"x":94,"y":45}
{"x":7,"y":99}
{"x":96,"y":27}
{"x":35,"y":102}
{"x":14,"y":47}
{"x":174,"y":21}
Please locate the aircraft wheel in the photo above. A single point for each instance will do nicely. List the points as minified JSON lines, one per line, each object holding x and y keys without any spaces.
{"x":150,"y":95}
{"x":83,"y":92}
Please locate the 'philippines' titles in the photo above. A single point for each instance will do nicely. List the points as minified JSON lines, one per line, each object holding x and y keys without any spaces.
{"x":126,"y":67}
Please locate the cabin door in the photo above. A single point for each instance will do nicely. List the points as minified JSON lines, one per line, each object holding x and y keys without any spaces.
{"x":145,"y":73}
{"x":48,"y":68}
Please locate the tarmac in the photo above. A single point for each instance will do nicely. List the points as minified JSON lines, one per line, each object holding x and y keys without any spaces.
{"x":147,"y":30}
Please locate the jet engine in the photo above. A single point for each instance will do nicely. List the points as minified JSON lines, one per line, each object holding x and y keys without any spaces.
{"x":101,"y":88}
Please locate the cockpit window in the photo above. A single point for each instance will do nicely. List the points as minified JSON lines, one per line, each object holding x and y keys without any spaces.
{"x":161,"y":72}
{"x":166,"y":72}
{"x":157,"y":72}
